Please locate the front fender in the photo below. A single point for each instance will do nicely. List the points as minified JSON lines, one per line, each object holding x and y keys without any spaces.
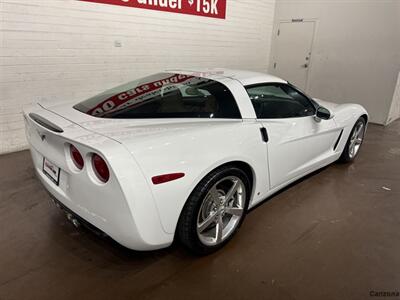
{"x":346,"y":115}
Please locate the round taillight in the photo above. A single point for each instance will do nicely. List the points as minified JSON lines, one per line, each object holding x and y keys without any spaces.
{"x":76,"y":157}
{"x":100,"y":168}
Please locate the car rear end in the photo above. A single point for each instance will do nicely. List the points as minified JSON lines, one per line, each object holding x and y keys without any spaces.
{"x":95,"y":178}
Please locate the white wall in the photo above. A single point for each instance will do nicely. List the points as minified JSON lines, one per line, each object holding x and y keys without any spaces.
{"x":356,"y":53}
{"x":394,"y":112}
{"x":59,"y":50}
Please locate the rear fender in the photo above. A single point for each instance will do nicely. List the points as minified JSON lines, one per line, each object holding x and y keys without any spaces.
{"x":196,"y":154}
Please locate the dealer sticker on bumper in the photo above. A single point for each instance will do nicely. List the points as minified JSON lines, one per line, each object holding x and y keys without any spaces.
{"x":51,"y":170}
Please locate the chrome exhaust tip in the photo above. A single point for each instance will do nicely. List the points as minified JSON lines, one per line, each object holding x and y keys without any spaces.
{"x":73,"y":220}
{"x":76,"y":223}
{"x":69,"y":217}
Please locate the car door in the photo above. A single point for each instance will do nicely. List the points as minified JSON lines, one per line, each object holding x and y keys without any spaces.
{"x":298,"y":143}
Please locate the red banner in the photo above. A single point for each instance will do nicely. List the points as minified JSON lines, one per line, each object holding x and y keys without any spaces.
{"x":206,"y":8}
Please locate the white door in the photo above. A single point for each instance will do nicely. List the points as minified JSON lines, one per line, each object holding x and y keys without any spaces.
{"x":297,"y":142}
{"x":298,"y":146}
{"x":293,"y":50}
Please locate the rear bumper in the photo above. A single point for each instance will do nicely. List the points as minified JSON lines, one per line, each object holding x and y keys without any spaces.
{"x":123,"y":208}
{"x":118,"y":223}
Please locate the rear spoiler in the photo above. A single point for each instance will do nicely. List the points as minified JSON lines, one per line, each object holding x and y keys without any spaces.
{"x":45,"y":123}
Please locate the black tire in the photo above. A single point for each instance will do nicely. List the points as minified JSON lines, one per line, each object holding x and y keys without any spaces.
{"x":187,"y":224}
{"x":346,"y":157}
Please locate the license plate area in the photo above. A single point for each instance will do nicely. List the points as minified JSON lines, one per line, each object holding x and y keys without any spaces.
{"x":51,"y":171}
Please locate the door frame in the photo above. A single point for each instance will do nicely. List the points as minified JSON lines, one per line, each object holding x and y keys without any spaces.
{"x":274,"y":44}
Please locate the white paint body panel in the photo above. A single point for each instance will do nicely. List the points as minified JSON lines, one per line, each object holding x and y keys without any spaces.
{"x":143,"y":216}
{"x":307,"y":141}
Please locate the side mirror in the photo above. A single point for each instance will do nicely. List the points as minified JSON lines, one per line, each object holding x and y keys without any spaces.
{"x":323,"y":113}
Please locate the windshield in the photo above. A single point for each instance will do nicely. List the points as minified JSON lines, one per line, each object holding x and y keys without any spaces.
{"x":164,"y":95}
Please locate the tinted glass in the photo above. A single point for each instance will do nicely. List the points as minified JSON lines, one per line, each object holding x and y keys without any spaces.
{"x":164,"y":95}
{"x":276,"y":100}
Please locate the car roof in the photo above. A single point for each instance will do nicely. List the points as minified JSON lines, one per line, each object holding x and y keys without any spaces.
{"x":243,"y":76}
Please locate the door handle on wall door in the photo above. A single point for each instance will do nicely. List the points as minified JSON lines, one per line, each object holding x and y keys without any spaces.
{"x":305,"y":66}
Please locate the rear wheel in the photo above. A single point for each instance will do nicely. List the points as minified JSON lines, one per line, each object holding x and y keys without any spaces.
{"x":354,"y":142}
{"x":215,"y":210}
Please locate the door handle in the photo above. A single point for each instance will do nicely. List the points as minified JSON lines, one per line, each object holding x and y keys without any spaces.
{"x":305,"y":66}
{"x":264,"y":134}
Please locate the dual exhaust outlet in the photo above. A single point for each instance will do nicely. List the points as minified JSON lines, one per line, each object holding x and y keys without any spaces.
{"x":70,"y":217}
{"x":73,"y":220}
{"x":76,"y":221}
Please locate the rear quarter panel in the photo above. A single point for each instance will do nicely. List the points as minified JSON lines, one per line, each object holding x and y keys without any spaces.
{"x":196,"y":149}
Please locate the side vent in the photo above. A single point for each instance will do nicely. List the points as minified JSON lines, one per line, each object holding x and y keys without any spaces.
{"x":338,"y":140}
{"x":45,"y":123}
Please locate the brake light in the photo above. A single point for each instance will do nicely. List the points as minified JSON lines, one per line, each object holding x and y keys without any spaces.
{"x":76,"y":157}
{"x":166,"y":177}
{"x":100,"y":168}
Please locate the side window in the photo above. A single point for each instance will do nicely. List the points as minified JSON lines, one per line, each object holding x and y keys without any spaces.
{"x":277,"y":100}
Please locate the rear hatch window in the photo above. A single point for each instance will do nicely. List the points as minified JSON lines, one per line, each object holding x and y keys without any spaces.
{"x":164,"y":95}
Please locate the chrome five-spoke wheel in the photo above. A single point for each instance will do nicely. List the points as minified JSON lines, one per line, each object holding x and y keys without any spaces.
{"x":356,"y":139}
{"x":221,"y":210}
{"x":215,"y":209}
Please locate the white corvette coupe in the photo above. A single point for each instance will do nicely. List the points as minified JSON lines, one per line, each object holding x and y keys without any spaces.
{"x":185,"y":153}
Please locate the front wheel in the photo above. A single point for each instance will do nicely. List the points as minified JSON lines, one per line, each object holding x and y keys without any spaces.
{"x":215,"y":210}
{"x":354,"y":142}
